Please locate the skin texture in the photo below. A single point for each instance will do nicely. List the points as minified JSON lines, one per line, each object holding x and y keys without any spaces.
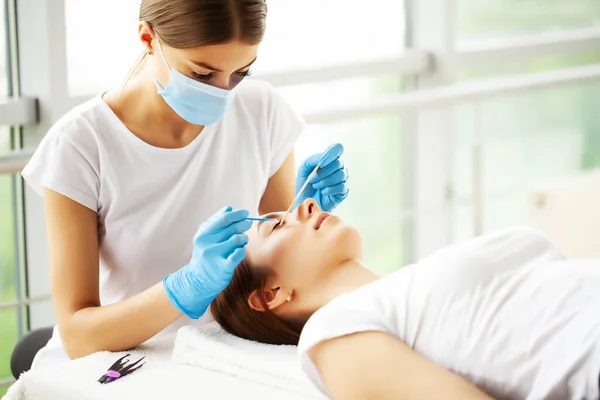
{"x":311,"y":264}
{"x":308,"y":259}
{"x":86,"y":326}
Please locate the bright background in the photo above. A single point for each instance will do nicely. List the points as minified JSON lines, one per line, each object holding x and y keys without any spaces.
{"x":529,"y":139}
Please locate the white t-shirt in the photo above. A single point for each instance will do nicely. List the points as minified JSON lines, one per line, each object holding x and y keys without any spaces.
{"x":150,"y":201}
{"x":506,"y":311}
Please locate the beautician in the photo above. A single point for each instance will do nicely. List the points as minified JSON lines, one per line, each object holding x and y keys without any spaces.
{"x":135,"y":181}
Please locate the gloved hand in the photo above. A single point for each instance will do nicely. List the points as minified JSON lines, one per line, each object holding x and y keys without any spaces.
{"x":329,"y":186}
{"x":219,"y":246}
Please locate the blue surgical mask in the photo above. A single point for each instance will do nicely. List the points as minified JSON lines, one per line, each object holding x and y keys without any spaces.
{"x":195,"y":102}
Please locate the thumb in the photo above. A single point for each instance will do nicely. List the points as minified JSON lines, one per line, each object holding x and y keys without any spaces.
{"x":309,"y":165}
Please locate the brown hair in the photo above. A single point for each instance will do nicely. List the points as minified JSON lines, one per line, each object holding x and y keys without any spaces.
{"x":184,"y":24}
{"x":232,"y":311}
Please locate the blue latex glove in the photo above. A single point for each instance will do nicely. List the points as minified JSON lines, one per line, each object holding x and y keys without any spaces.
{"x":219,"y":246}
{"x":329,"y":186}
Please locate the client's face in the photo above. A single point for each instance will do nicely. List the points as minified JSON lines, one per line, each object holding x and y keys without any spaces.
{"x":304,"y":248}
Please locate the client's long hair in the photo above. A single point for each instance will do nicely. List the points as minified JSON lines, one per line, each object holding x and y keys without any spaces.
{"x":232,"y":311}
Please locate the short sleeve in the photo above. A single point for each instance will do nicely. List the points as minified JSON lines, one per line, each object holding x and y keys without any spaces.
{"x":346,"y":315}
{"x":285,"y":127}
{"x":65,"y":167}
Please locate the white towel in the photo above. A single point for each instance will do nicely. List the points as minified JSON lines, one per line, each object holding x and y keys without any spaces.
{"x":210,"y":347}
{"x":161,"y":378}
{"x":78,"y":379}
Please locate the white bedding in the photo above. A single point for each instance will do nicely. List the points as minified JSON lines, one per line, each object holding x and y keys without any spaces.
{"x":211,"y":348}
{"x":160,"y":378}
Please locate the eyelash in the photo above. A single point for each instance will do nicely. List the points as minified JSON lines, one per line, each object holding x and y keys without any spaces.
{"x":278,"y":225}
{"x":209,"y":76}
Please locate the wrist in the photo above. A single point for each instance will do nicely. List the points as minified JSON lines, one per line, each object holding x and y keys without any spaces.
{"x":183,"y":297}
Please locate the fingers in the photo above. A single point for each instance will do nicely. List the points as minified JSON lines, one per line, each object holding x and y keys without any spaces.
{"x":339,"y":176}
{"x":235,"y":259}
{"x":340,"y":188}
{"x":332,"y":153}
{"x":341,"y":196}
{"x":224,"y":234}
{"x":226,"y":248}
{"x":323,"y":159}
{"x":308,"y":165}
{"x":224,"y":219}
{"x":330,"y":169}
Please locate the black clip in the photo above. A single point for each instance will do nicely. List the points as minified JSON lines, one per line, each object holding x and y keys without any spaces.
{"x":119,"y":369}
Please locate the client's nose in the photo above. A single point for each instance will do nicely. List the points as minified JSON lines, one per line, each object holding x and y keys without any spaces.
{"x":307,"y":209}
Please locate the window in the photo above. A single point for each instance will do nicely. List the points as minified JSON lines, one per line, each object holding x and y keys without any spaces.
{"x":7,"y":288}
{"x":377,"y":208}
{"x":528,"y":140}
{"x":8,"y":317}
{"x":479,"y":20}
{"x":12,"y":319}
{"x":300,"y":34}
{"x":316,"y":33}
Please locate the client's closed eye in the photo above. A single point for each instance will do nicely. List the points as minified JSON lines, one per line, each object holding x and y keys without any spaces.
{"x":278,"y":225}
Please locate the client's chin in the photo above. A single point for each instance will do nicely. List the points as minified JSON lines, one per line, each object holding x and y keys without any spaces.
{"x":344,"y":238}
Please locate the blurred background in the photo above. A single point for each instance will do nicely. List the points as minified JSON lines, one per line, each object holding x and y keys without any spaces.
{"x":458,"y":117}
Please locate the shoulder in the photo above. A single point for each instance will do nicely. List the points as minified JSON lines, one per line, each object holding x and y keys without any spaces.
{"x":519,"y":240}
{"x":261,"y":98}
{"x":81,"y":125}
{"x":254,"y":90}
{"x":504,"y":241}
{"x":358,"y":311}
{"x":75,"y":138}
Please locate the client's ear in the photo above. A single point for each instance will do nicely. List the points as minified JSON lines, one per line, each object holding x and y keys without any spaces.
{"x":274,"y":297}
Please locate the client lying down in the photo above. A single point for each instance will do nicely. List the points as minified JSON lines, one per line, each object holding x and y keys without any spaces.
{"x":504,"y":315}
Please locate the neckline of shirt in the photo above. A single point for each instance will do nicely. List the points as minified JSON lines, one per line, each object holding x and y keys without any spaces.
{"x":137,"y":141}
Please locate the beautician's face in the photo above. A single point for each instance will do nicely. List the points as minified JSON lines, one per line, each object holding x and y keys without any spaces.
{"x":305,"y":247}
{"x":222,"y":65}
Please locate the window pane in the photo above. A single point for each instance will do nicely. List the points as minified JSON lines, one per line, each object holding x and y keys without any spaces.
{"x":314,"y":97}
{"x":496,"y":18}
{"x":315,"y":33}
{"x":3,"y":52}
{"x":529,"y":140}
{"x":7,"y":244}
{"x":373,"y":149}
{"x":300,"y":34}
{"x":8,"y":318}
{"x":8,"y":339}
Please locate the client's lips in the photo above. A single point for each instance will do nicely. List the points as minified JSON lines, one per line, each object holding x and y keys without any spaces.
{"x":320,"y":218}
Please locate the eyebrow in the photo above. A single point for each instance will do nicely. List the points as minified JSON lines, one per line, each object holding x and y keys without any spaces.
{"x":207,"y":66}
{"x":270,"y":215}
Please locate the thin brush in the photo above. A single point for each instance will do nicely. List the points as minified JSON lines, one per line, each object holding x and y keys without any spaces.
{"x":262,"y":219}
{"x":312,"y":174}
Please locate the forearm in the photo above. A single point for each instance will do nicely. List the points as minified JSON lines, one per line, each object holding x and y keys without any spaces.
{"x":119,"y":326}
